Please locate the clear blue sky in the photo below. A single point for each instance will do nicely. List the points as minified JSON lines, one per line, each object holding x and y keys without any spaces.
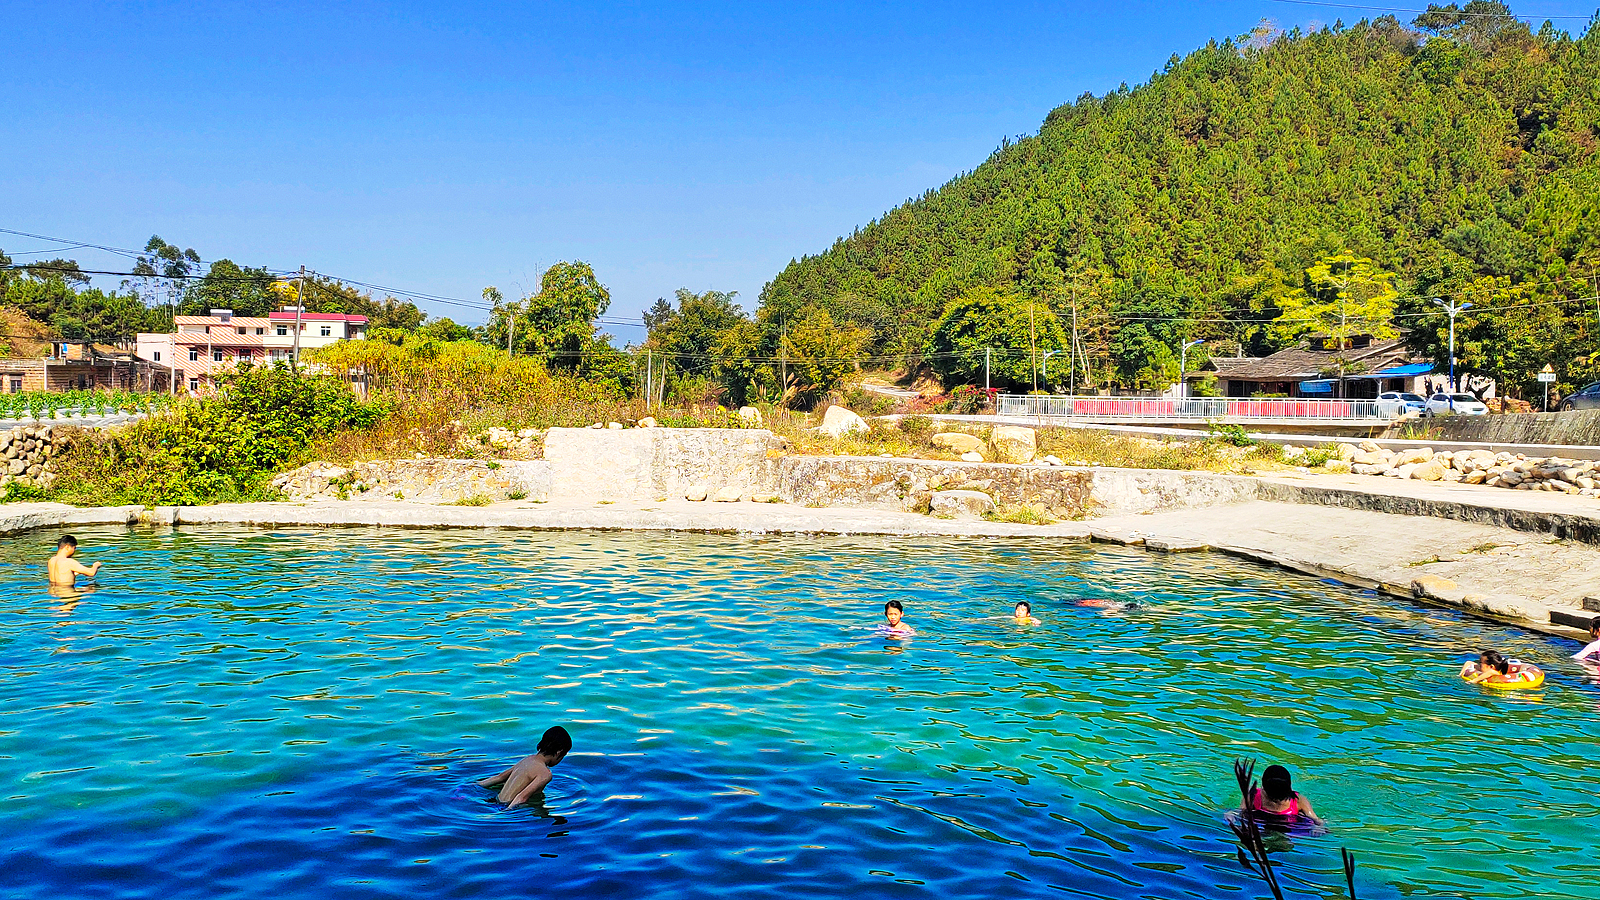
{"x":444,"y":147}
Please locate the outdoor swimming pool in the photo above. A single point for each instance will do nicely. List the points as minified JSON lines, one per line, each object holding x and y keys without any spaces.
{"x":301,"y":714}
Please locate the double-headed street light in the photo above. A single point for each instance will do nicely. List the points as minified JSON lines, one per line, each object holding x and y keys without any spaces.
{"x":1452,"y":308}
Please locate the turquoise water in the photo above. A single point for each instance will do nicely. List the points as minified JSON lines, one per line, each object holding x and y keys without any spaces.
{"x":301,"y":714}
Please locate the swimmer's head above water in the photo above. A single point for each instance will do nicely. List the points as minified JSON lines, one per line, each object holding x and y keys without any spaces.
{"x":1024,"y":610}
{"x":555,"y":745}
{"x":893,"y":612}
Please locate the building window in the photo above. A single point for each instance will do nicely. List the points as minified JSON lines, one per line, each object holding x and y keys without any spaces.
{"x":261,"y":331}
{"x":16,"y":384}
{"x":216,"y":356}
{"x":327,"y":331}
{"x":158,"y":356}
{"x":283,"y":330}
{"x":239,"y":328}
{"x":194,"y":384}
{"x":194,"y":353}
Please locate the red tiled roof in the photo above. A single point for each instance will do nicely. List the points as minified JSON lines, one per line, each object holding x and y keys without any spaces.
{"x":281,"y":316}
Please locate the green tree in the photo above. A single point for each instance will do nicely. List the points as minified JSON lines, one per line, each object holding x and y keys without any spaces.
{"x":1015,"y":331}
{"x":821,"y":354}
{"x":227,"y":285}
{"x":1341,"y":296}
{"x":558,"y":323}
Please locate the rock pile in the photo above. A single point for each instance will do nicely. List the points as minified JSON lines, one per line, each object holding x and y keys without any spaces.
{"x":1516,"y":471}
{"x":524,"y":444}
{"x":25,"y":453}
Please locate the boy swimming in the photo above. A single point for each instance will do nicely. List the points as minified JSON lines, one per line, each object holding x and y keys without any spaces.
{"x":893,"y":614}
{"x":530,"y":776}
{"x":1493,"y":668}
{"x":64,"y":570}
{"x":1023,"y":614}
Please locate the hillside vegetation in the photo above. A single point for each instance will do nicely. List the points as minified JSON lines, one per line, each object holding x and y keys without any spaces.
{"x":1250,"y":193}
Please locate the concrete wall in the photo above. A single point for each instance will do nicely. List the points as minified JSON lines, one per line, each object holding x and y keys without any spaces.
{"x":907,"y":484}
{"x":1580,"y":427}
{"x":657,"y":463}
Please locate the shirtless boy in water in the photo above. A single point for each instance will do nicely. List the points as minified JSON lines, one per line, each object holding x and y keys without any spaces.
{"x":896,"y":626}
{"x":529,"y":776}
{"x":64,"y":570}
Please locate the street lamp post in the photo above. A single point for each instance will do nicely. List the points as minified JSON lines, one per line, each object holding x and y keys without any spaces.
{"x":1044,"y":366}
{"x":1452,"y":308}
{"x":1183,"y":367}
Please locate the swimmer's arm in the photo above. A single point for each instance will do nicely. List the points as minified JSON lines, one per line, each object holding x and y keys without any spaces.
{"x":1308,"y":812}
{"x":1593,"y":650}
{"x":494,"y":780}
{"x":1479,"y":676}
{"x":77,"y":568}
{"x":534,"y":786}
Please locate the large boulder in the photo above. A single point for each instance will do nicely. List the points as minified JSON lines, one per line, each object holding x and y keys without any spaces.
{"x":957,"y":442}
{"x":1432,"y":470}
{"x":838,"y":422}
{"x":1414,"y":455}
{"x":961,"y":504}
{"x":1013,"y":444}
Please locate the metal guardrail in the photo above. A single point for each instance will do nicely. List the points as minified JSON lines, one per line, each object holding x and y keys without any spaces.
{"x":1197,"y":408}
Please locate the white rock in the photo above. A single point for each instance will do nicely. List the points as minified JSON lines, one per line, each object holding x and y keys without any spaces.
{"x":614,"y":425}
{"x":696,"y":493}
{"x":1052,"y":460}
{"x":751,"y":416}
{"x":972,"y":456}
{"x":957,"y":441}
{"x":727,"y":495}
{"x":838,"y":422}
{"x":961,"y":504}
{"x":647,"y":422}
{"x":1013,"y":443}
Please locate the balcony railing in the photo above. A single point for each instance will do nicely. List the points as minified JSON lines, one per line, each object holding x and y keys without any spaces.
{"x":1196,"y":408}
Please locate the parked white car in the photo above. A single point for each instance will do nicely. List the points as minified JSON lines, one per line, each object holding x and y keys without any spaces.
{"x":1394,"y":404}
{"x":1455,"y":405}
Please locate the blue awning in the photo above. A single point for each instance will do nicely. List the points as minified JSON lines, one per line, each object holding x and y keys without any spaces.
{"x":1412,"y":369}
{"x":1316,"y":387}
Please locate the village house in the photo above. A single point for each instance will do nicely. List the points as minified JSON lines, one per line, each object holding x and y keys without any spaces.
{"x":201,"y":347}
{"x":1320,"y":369}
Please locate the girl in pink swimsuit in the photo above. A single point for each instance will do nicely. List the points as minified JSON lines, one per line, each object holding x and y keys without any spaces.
{"x":1276,"y":800}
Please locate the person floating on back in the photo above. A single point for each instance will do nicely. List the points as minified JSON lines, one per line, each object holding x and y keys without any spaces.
{"x":64,"y":570}
{"x":1590,"y":655}
{"x":529,"y":776}
{"x":1023,"y":614}
{"x":1276,"y":802}
{"x":893,"y":614}
{"x":1492,"y":668}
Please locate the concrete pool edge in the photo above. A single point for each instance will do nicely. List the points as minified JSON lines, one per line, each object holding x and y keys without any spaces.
{"x":1396,"y":555}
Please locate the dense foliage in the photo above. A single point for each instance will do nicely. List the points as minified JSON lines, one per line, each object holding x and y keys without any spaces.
{"x":1457,"y":153}
{"x":218,"y":448}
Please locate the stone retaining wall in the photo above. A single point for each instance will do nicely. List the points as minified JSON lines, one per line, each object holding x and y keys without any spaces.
{"x":25,"y":452}
{"x":423,"y":480}
{"x":908,"y":484}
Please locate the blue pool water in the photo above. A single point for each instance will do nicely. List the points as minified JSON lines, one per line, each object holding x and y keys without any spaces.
{"x":301,"y":714}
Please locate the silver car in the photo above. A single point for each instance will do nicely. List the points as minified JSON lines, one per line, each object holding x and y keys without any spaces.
{"x":1455,"y":405}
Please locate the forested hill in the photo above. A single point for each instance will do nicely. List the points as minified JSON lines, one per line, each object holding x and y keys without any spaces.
{"x":1457,"y":153}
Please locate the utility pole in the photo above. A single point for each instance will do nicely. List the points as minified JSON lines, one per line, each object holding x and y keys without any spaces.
{"x":1033,"y":353}
{"x":511,"y":332}
{"x":783,"y":365}
{"x":986,"y":369}
{"x":299,"y":307}
{"x":649,"y":377}
{"x":1072,"y":380}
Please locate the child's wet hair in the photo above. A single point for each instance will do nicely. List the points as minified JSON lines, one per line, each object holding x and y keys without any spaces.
{"x":893,"y":604}
{"x":1025,"y":606}
{"x":556,"y":742}
{"x":1276,"y":784}
{"x":67,"y":540}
